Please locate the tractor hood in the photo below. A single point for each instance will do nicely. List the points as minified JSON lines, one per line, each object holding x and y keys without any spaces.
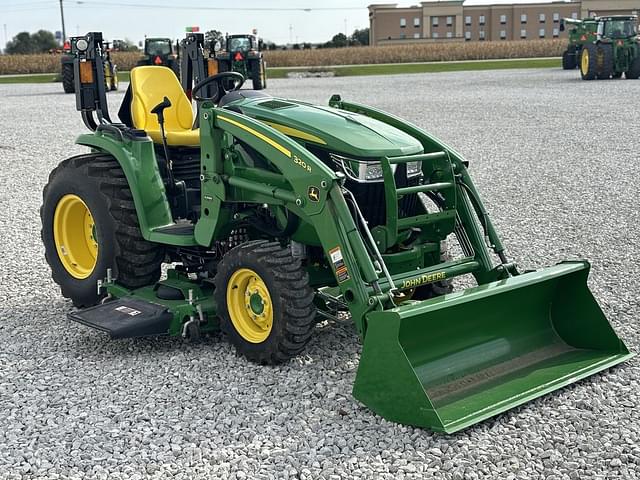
{"x":336,"y":130}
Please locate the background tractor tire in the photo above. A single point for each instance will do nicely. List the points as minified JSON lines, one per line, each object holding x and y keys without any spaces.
{"x":436,"y":289}
{"x":114,"y":83}
{"x":288,"y":302}
{"x":605,"y":62}
{"x":634,"y":71}
{"x":67,"y":78}
{"x":99,"y":183}
{"x":569,"y":61}
{"x":257,"y":74}
{"x":589,"y":62}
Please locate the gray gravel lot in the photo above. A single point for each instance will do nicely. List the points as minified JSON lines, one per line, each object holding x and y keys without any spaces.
{"x":557,"y":162}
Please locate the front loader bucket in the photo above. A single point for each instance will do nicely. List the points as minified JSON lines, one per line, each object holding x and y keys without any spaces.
{"x":453,"y":361}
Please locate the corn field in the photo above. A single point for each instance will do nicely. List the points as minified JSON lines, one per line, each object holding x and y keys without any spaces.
{"x":50,"y":63}
{"x":428,"y":52}
{"x":431,"y":52}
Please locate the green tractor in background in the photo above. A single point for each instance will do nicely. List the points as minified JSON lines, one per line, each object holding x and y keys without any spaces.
{"x":276,"y":213}
{"x":614,"y":51}
{"x":583,"y":31}
{"x":161,"y":52}
{"x":241,"y":54}
{"x":68,"y":56}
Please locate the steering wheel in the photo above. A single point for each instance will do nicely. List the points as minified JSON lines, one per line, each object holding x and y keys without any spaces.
{"x":221,"y":91}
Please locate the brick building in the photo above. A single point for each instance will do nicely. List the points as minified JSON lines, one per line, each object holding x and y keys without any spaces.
{"x":452,"y":20}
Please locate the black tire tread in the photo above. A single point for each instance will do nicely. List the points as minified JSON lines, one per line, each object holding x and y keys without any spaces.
{"x":67,"y":78}
{"x":439,"y":288}
{"x":256,"y":78}
{"x":138,"y":261}
{"x":634,"y":72}
{"x":569,"y":61}
{"x":606,"y":71}
{"x":299,"y":312}
{"x":591,"y":74}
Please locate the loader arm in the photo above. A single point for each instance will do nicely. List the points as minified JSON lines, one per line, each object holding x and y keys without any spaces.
{"x":312,"y":191}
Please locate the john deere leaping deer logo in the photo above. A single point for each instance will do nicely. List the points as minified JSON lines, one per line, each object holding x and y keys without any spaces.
{"x":314,"y":194}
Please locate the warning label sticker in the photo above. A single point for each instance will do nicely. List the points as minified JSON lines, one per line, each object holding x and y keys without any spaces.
{"x":129,"y":311}
{"x":338,"y":264}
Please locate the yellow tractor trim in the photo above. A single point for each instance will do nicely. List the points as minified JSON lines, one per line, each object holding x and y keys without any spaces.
{"x":294,"y":132}
{"x":75,"y":236}
{"x":262,"y":137}
{"x":585,"y":62}
{"x":249,"y":305}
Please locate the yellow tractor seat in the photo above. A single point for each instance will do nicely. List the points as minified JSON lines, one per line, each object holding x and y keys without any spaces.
{"x":149,"y":86}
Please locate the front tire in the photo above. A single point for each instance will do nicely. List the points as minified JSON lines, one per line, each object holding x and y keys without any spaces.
{"x":89,"y":224}
{"x":569,"y":60}
{"x":264,"y":302}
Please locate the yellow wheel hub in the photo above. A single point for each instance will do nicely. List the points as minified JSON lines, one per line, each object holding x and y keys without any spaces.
{"x":585,"y":61}
{"x":74,"y":233}
{"x":249,"y":305}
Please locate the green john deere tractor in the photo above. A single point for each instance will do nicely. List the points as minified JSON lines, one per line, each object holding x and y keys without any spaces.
{"x":583,"y":31}
{"x":614,"y":51}
{"x":275,"y":213}
{"x":67,"y":73}
{"x":242,"y":54}
{"x":162,"y":53}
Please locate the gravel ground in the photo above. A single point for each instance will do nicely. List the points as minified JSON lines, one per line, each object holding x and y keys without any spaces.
{"x":556,"y":160}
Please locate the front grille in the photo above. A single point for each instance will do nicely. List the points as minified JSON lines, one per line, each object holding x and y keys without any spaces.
{"x":370,"y":198}
{"x":370,"y":195}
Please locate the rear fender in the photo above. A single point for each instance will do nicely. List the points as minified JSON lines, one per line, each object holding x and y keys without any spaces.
{"x":138,"y":162}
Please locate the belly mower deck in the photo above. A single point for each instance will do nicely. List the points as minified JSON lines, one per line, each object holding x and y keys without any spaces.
{"x":126,"y":317}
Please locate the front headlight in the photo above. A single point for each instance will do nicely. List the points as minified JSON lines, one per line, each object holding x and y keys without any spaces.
{"x":82,"y":45}
{"x":413,"y":168}
{"x":358,"y":170}
{"x":368,"y":171}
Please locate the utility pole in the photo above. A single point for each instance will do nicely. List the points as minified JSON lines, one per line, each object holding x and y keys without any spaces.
{"x":6,"y":39}
{"x":64,"y":34}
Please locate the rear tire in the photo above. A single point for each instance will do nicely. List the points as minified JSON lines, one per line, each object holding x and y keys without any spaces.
{"x":114,"y":79}
{"x":588,"y":62}
{"x":257,"y":74}
{"x":67,"y":78}
{"x":99,"y":182}
{"x":605,"y":62}
{"x":634,"y":71}
{"x":285,"y":295}
{"x":569,"y":61}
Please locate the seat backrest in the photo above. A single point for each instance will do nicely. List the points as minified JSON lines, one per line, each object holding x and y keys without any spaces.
{"x":149,"y":86}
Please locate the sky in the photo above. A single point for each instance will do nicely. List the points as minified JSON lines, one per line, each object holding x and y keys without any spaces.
{"x":280,"y":21}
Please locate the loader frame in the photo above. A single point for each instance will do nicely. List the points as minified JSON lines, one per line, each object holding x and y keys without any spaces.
{"x":443,"y":363}
{"x":223,"y":184}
